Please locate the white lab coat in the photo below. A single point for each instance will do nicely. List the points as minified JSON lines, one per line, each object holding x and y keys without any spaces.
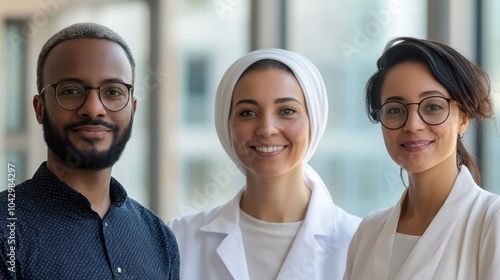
{"x":211,"y":245}
{"x":462,"y":241}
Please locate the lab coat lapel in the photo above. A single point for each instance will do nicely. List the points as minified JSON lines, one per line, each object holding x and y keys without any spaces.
{"x":303,"y":255}
{"x":235,"y":263}
{"x":381,"y":254}
{"x":231,"y":249}
{"x":425,"y":257}
{"x":314,"y":239}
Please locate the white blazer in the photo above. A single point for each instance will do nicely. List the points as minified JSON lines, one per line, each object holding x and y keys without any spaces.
{"x":211,"y":245}
{"x":462,"y":241}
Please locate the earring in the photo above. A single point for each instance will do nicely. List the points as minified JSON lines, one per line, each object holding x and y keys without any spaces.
{"x":401,"y":176}
{"x":460,"y":135}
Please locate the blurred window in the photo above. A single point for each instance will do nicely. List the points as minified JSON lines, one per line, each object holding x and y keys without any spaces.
{"x":490,"y":61}
{"x":14,"y":108}
{"x":210,"y":36}
{"x":197,"y":92}
{"x":344,"y":39}
{"x":14,"y":57}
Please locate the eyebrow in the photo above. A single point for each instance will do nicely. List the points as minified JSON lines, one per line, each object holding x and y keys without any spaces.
{"x":277,"y":101}
{"x":84,"y":83}
{"x":286,"y":99}
{"x":423,"y":94}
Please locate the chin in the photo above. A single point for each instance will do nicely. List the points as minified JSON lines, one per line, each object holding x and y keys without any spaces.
{"x":268,"y":173}
{"x":415,"y":169}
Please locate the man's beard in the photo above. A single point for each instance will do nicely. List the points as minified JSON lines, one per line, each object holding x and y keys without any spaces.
{"x":85,"y":159}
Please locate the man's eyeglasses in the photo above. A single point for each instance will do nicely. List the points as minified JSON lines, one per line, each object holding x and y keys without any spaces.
{"x":71,"y":95}
{"x":433,"y":110}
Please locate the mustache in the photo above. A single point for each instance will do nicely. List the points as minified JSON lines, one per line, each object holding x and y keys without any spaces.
{"x":71,"y":126}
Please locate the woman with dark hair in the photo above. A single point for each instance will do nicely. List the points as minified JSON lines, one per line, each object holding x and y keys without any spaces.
{"x":445,"y":226}
{"x":270,"y":113}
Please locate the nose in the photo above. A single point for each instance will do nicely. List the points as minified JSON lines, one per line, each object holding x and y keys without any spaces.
{"x":267,"y":127}
{"x":92,"y":107}
{"x":413,"y":122}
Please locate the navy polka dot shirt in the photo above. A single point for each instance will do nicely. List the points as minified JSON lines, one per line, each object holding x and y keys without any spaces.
{"x":49,"y":231}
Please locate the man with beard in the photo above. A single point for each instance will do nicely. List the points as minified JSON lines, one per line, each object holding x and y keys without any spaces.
{"x":72,"y":220}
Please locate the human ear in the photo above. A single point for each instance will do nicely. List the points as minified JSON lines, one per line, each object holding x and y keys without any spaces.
{"x":134,"y":105}
{"x":464,"y":122}
{"x":38,"y":105}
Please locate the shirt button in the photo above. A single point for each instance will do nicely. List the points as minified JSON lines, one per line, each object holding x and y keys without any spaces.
{"x":105,"y":224}
{"x":119,"y":269}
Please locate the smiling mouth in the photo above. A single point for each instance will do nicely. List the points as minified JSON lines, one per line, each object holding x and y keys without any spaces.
{"x":269,"y":149}
{"x":91,"y":132}
{"x":415,"y":145}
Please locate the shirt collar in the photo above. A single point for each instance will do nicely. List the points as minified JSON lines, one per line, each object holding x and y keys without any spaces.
{"x":52,"y":187}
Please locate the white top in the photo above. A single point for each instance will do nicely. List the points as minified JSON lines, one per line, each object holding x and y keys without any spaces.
{"x":266,"y":245}
{"x":211,"y":243}
{"x":401,"y":249}
{"x":461,"y":243}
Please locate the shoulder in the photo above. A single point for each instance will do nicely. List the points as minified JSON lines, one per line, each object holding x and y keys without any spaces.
{"x":148,"y":218}
{"x":192,"y":238}
{"x":323,"y":215}
{"x":491,"y":204}
{"x":181,"y":225}
{"x":155,"y":231}
{"x":486,"y":205}
{"x":480,"y":198}
{"x":378,"y":214}
{"x":346,"y":221}
{"x":21,"y":200}
{"x":375,"y":220}
{"x":491,"y":200}
{"x":369,"y":229}
{"x":25,"y":188}
{"x":140,"y":210}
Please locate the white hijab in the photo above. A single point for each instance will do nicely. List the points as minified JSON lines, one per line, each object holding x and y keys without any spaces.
{"x":312,"y":86}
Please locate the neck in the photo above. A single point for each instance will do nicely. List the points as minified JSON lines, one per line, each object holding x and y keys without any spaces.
{"x":277,"y":199}
{"x":427,"y":192}
{"x":93,"y":184}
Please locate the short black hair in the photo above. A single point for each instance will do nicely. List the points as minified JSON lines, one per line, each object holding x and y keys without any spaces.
{"x":87,"y":30}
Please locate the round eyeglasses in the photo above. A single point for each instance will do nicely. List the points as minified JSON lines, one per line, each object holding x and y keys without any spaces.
{"x":71,"y":95}
{"x":433,"y":110}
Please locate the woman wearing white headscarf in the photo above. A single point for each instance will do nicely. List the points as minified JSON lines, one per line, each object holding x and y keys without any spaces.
{"x":271,"y":111}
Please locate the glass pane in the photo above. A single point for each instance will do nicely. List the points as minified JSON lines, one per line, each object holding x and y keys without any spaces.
{"x":490,"y":59}
{"x":15,"y":52}
{"x":348,"y":37}
{"x":210,"y":35}
{"x":197,"y":92}
{"x":208,"y":184}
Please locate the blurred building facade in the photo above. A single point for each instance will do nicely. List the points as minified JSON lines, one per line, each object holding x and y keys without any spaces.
{"x":174,"y":163}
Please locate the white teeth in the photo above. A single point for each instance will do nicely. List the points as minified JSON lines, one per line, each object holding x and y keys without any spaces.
{"x":416,"y":145}
{"x":269,"y":149}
